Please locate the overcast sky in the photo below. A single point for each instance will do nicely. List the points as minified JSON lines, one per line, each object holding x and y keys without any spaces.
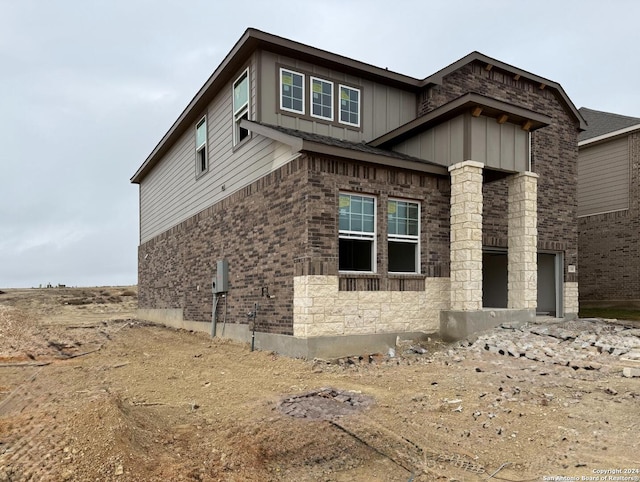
{"x":88,"y":88}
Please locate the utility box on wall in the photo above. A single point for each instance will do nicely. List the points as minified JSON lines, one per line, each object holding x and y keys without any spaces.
{"x":221,"y":280}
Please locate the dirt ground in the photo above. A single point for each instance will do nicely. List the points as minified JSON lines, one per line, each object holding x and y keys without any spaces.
{"x":89,"y":393}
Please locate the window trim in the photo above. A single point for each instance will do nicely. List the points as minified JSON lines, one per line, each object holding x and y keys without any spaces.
{"x":406,"y":238}
{"x":304,"y":85}
{"x":361,"y":235}
{"x":332,"y":84}
{"x":359,"y":91}
{"x":240,"y":112}
{"x":204,"y":145}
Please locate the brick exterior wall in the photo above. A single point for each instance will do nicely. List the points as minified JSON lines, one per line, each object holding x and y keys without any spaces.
{"x":609,"y":245}
{"x":281,"y":226}
{"x":554,"y":158}
{"x":285,"y":225}
{"x":259,"y":230}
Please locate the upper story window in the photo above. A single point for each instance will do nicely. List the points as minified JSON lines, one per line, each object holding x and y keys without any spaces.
{"x":403,"y":236}
{"x":291,"y":91}
{"x":357,"y":233}
{"x":349,"y":106}
{"x":202,"y":162}
{"x":240,"y":106}
{"x":321,"y":98}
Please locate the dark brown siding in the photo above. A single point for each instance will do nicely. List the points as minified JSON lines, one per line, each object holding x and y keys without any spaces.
{"x":554,"y":157}
{"x":610,"y":245}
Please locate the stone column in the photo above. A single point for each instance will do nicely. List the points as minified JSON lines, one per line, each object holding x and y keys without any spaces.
{"x":523,"y":241}
{"x":466,"y":236}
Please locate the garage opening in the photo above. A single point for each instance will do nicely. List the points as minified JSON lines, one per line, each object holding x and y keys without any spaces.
{"x":495,"y":281}
{"x":550,"y":284}
{"x":494,"y":278}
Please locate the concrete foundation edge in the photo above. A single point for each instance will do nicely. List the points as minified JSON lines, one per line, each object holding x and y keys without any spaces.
{"x":326,"y":347}
{"x":458,"y":325}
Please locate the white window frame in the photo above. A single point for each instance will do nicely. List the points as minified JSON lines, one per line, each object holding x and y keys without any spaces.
{"x":405,"y":238}
{"x":311,"y":92}
{"x":203,"y":146}
{"x":240,"y":111}
{"x":341,"y":86}
{"x":293,"y":72}
{"x":361,"y":235}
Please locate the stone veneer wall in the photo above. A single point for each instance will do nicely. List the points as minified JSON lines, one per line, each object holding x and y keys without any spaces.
{"x":610,"y":245}
{"x":571,"y":304}
{"x":466,"y":236}
{"x":554,"y":158}
{"x":523,"y":237}
{"x":320,"y":309}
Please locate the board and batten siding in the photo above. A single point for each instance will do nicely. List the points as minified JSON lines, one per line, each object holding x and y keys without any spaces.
{"x":603,"y":177}
{"x":500,"y":146}
{"x":383,"y":108}
{"x":171,"y":193}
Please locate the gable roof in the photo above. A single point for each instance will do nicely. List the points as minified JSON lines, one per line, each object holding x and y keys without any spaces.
{"x":490,"y":107}
{"x":331,"y":146}
{"x":438,"y":77}
{"x":254,"y":39}
{"x":605,"y":124}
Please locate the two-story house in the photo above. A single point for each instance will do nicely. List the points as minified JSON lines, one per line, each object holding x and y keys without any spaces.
{"x":338,"y":205}
{"x":609,"y":209}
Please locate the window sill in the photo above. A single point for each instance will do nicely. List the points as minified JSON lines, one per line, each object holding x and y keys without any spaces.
{"x":202,"y":174}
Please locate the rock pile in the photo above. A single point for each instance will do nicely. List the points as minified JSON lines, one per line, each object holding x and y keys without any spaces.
{"x":580,"y":344}
{"x":324,"y":404}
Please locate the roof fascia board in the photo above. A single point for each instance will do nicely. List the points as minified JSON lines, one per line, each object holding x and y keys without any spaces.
{"x":236,"y":55}
{"x":278,"y":44}
{"x":335,"y":151}
{"x":297,"y":144}
{"x":438,"y":77}
{"x":609,"y":135}
{"x":292,"y":141}
{"x":465,"y":100}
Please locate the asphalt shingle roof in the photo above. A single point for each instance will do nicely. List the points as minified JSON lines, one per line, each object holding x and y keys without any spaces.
{"x":355,"y":146}
{"x":600,"y":123}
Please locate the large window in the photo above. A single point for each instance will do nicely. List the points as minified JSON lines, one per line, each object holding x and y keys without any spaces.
{"x":202,"y":163}
{"x":291,"y":91}
{"x":240,"y":107}
{"x":321,"y":99}
{"x":403,"y":236}
{"x":357,"y":229}
{"x":349,"y":106}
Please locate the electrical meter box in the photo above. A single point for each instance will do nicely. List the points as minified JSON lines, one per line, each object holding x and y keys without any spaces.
{"x":220,"y":282}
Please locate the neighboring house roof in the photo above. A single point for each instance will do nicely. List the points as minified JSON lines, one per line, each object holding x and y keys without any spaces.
{"x":306,"y":141}
{"x":253,"y":40}
{"x":602,"y":125}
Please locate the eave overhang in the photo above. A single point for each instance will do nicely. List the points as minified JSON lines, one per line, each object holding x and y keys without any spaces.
{"x":517,"y":73}
{"x":473,"y":103}
{"x":299,"y":144}
{"x":609,"y":135}
{"x":253,"y":40}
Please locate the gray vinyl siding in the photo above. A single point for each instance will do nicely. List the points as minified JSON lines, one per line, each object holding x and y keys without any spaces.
{"x":500,"y":146}
{"x":382,"y":108}
{"x":603,"y":177}
{"x":170,"y":193}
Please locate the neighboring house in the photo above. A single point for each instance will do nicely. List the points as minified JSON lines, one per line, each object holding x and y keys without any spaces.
{"x":608,"y":209}
{"x":352,"y":204}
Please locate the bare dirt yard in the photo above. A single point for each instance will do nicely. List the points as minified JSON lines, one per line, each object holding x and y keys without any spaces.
{"x":89,"y":393}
